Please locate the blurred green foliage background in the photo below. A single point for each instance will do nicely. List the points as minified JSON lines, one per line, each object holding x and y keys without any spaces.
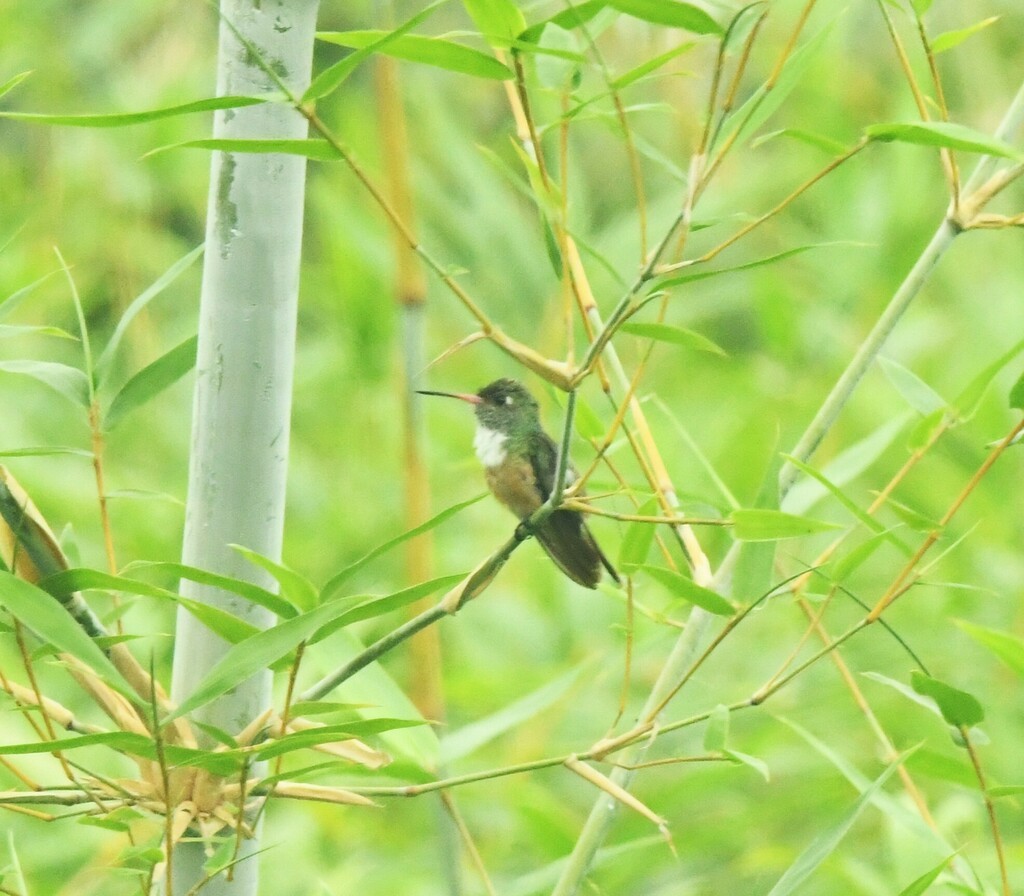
{"x":120,"y":219}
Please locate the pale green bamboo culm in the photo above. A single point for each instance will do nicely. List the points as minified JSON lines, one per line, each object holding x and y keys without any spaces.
{"x":244,"y":367}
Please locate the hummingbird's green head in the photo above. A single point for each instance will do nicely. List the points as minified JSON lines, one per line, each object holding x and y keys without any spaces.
{"x":507,"y":407}
{"x":504,"y":406}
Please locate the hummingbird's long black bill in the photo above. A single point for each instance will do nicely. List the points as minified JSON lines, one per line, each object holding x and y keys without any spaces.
{"x":462,"y":396}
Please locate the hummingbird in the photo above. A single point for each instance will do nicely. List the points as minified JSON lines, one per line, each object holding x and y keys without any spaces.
{"x":520,"y":462}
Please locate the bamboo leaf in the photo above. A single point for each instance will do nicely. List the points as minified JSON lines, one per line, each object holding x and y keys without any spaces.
{"x":367,"y":607}
{"x":944,"y":134}
{"x":758,"y":765}
{"x":1007,"y":647}
{"x":314,"y":737}
{"x":151,"y":381}
{"x":295,"y":588}
{"x":10,"y":331}
{"x":433,"y":51}
{"x":914,"y":391}
{"x":669,"y":12}
{"x":121,"y":119}
{"x":50,"y":622}
{"x":755,"y":524}
{"x":259,"y":596}
{"x":499,"y":21}
{"x":666,"y":282}
{"x":868,"y":521}
{"x":825,"y":843}
{"x":18,"y":296}
{"x":922,"y":883}
{"x":749,"y":117}
{"x":67,"y":381}
{"x":957,"y":707}
{"x":969,"y":399}
{"x":105,"y":360}
{"x":690,"y":591}
{"x":645,"y":68}
{"x":1017,"y":394}
{"x":636,"y":543}
{"x":311,"y":148}
{"x":674,"y":336}
{"x":335,"y":583}
{"x":716,"y":735}
{"x":819,"y":141}
{"x":470,"y":738}
{"x":844,"y":467}
{"x":332,"y":78}
{"x":221,"y":622}
{"x":949,"y":39}
{"x":44,"y":451}
{"x":11,"y":83}
{"x":261,"y":651}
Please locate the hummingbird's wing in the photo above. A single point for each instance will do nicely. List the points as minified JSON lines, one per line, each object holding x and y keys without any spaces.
{"x":564,"y":535}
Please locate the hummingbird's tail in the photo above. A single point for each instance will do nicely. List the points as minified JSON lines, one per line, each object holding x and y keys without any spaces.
{"x":567,"y":541}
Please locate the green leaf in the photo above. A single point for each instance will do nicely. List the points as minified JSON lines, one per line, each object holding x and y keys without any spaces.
{"x":68,"y":381}
{"x":368,"y":606}
{"x":295,"y":588}
{"x":10,"y":331}
{"x":957,"y":707}
{"x":671,"y":280}
{"x":587,"y":423}
{"x":221,"y":622}
{"x":914,"y":391}
{"x":749,"y":117}
{"x":11,"y":83}
{"x":922,"y":883}
{"x":1007,"y":647}
{"x":311,"y":148}
{"x":141,"y":301}
{"x":950,"y":39}
{"x":754,"y":524}
{"x":674,"y":336}
{"x":1017,"y":394}
{"x":645,"y":68}
{"x":819,"y":141}
{"x":969,"y":399}
{"x":669,"y":12}
{"x":306,"y":739}
{"x":1006,"y":790}
{"x":48,"y":619}
{"x":426,"y":50}
{"x":120,"y":119}
{"x":335,"y":583}
{"x":259,"y":596}
{"x":45,"y":451}
{"x":468,"y":739}
{"x":373,"y":686}
{"x":18,"y":296}
{"x":944,"y":134}
{"x":921,"y":6}
{"x":758,"y":765}
{"x":716,"y":735}
{"x":844,"y":467}
{"x":499,"y":21}
{"x":151,"y":381}
{"x":869,"y":522}
{"x":636,"y":543}
{"x":261,"y":651}
{"x":851,"y":561}
{"x":690,"y":591}
{"x":826,"y":842}
{"x":332,"y":78}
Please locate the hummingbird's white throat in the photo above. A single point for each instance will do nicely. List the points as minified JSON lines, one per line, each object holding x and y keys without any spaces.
{"x":489,"y":445}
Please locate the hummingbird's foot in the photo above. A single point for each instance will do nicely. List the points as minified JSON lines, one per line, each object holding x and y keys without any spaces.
{"x":523,"y":531}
